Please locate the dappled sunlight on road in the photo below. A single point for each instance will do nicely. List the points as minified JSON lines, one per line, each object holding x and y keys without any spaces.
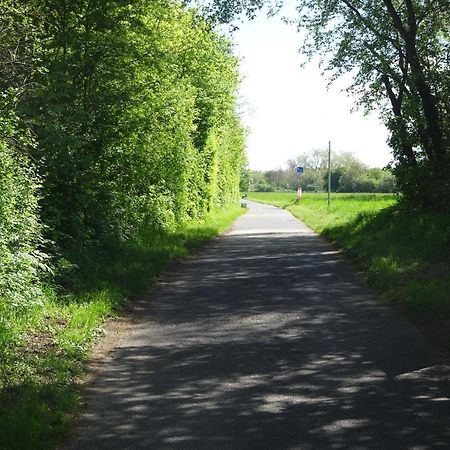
{"x":266,"y":341}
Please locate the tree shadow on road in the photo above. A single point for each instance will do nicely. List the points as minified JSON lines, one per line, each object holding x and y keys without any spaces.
{"x":269,"y":349}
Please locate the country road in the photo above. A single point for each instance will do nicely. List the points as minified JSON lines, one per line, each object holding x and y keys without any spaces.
{"x":267,"y":340}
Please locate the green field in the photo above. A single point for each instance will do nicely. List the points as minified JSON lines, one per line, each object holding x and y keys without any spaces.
{"x":44,"y":349}
{"x":404,"y":253}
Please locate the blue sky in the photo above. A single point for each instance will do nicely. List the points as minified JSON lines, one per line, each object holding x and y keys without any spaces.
{"x":288,"y":109}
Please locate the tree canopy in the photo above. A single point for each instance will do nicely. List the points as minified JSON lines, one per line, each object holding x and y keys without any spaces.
{"x":117,"y":117}
{"x":399,"y":56}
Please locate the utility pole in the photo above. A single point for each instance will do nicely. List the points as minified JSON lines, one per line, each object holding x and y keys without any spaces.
{"x":329,"y":173}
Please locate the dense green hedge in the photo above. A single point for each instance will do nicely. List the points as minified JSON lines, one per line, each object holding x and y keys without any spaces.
{"x":125,"y":110}
{"x":134,"y":118}
{"x":20,"y":229}
{"x":21,"y":258}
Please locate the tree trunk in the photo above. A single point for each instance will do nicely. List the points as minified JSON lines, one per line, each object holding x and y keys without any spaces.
{"x":432,"y":139}
{"x":406,"y":149}
{"x":429,"y":107}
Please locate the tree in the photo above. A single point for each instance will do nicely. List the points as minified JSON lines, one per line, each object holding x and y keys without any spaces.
{"x":21,"y":259}
{"x":315,"y":159}
{"x":399,"y":54}
{"x":348,"y":174}
{"x":135,"y":118}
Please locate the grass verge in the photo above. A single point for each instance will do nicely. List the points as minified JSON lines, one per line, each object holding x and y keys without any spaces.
{"x":405,"y":253}
{"x":44,"y":348}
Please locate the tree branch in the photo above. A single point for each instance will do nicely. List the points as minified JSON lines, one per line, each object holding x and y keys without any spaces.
{"x":396,"y":103}
{"x":369,"y":25}
{"x":412,"y":20}
{"x":398,"y":24}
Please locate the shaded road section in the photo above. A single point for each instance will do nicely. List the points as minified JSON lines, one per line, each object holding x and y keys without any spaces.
{"x":266,"y":340}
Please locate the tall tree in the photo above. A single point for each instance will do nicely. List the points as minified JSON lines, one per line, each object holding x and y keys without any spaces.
{"x":399,"y":54}
{"x":134,"y":116}
{"x":21,"y":259}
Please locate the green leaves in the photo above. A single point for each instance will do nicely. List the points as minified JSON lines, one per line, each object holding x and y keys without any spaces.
{"x":126,"y":110}
{"x":21,"y":264}
{"x":134,"y":117}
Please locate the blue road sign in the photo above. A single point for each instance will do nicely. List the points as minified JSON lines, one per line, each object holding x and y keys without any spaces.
{"x":299,"y":169}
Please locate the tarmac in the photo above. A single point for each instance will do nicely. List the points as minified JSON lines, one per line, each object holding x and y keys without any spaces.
{"x":267,"y":339}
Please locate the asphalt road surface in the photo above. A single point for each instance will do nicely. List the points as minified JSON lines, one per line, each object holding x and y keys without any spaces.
{"x":266,"y":340}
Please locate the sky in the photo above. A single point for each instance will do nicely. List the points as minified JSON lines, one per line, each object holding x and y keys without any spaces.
{"x":288,"y":109}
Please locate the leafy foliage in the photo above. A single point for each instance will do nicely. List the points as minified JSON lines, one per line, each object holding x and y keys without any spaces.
{"x":399,"y":56}
{"x":348,"y":174}
{"x":21,"y":261}
{"x":125,"y":111}
{"x":20,"y":231}
{"x":135,"y":119}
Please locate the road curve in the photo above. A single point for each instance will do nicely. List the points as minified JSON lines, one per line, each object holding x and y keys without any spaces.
{"x":266,"y":340}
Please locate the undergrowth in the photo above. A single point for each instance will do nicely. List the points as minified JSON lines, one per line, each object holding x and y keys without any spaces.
{"x":43,"y":348}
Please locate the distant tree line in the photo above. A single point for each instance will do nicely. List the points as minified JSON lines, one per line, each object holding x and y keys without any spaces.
{"x":348,"y":175}
{"x":117,"y":118}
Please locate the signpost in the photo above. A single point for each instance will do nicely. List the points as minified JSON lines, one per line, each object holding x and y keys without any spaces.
{"x":299,"y":171}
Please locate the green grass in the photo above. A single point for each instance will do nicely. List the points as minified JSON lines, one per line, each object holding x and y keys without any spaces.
{"x":314,"y":210}
{"x":44,"y":349}
{"x":405,"y":253}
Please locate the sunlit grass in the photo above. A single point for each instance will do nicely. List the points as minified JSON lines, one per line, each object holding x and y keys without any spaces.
{"x":44,"y":348}
{"x":314,"y":209}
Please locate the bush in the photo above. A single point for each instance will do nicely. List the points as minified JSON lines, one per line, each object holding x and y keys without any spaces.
{"x":20,"y":230}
